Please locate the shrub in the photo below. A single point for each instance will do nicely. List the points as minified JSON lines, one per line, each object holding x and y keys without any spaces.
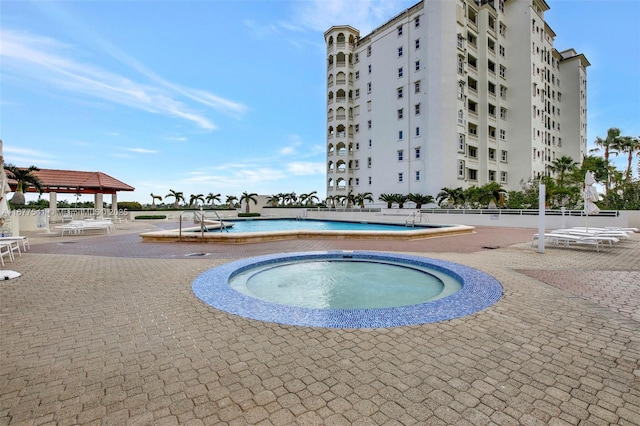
{"x":150,"y":217}
{"x":248,"y":214}
{"x":129,"y":205}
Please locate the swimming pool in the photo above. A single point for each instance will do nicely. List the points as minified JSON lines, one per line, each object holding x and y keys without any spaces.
{"x":479,"y":291}
{"x":271,"y":225}
{"x":264,"y":230}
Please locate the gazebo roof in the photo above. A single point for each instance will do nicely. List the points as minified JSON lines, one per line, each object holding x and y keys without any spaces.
{"x":75,"y":182}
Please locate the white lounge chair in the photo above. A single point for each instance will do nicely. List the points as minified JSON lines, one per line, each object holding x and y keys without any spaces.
{"x":7,"y":248}
{"x":20,"y":239}
{"x":557,"y":238}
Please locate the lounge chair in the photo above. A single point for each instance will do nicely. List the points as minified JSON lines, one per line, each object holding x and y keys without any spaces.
{"x":20,"y":239}
{"x":76,"y":227}
{"x":557,"y":238}
{"x":7,"y":248}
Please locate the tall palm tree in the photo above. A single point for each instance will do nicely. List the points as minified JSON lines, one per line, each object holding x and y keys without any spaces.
{"x":24,"y":178}
{"x":350,"y":199}
{"x":153,"y":200}
{"x":630,"y":146}
{"x":562,"y":166}
{"x":420,"y":199}
{"x":212,"y":198}
{"x":330,"y":201}
{"x":177,"y":196}
{"x":194,"y":198}
{"x":609,"y":145}
{"x":231,"y":200}
{"x":246,"y":197}
{"x":273,"y":200}
{"x":361,"y":197}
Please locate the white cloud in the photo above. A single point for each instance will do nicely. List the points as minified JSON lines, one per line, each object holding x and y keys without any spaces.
{"x":141,"y":150}
{"x":45,"y":60}
{"x":303,"y":168}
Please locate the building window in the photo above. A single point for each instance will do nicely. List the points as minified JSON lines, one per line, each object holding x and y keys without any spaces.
{"x":492,"y":110}
{"x":368,"y":50}
{"x":417,"y":131}
{"x":400,"y":177}
{"x":473,"y":129}
{"x":460,"y":117}
{"x":417,"y":43}
{"x":416,"y":87}
{"x":503,"y":177}
{"x":357,"y":128}
{"x":492,"y":175}
{"x":491,"y":88}
{"x":491,"y":45}
{"x":357,"y":181}
{"x":491,"y":66}
{"x":460,"y":65}
{"x":492,"y":154}
{"x":492,"y":132}
{"x":473,"y":174}
{"x":400,"y":92}
{"x":369,"y":162}
{"x":461,"y":169}
{"x":417,"y":21}
{"x":473,"y":151}
{"x":357,"y":146}
{"x":417,"y":65}
{"x":461,"y":142}
{"x":356,"y":164}
{"x":503,"y":71}
{"x":460,"y":41}
{"x":369,"y":68}
{"x":416,"y":108}
{"x":357,"y":57}
{"x":417,"y":153}
{"x":400,"y":113}
{"x":357,"y":93}
{"x":400,"y":155}
{"x":400,"y":51}
{"x":400,"y":134}
{"x":368,"y":105}
{"x":503,"y":135}
{"x":400,"y":72}
{"x":503,"y":113}
{"x":369,"y":143}
{"x":368,"y":87}
{"x":501,"y":50}
{"x":399,"y":30}
{"x":357,"y":75}
{"x":502,"y":29}
{"x":503,"y":156}
{"x":503,"y":92}
{"x":417,"y":174}
{"x":369,"y":124}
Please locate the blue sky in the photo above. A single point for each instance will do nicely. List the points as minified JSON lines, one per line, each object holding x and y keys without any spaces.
{"x":228,"y":96}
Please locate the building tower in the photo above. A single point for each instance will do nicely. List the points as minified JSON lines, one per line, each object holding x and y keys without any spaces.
{"x":451,"y":94}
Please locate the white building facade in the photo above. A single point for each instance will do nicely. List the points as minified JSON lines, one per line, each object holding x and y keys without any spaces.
{"x":451,"y":94}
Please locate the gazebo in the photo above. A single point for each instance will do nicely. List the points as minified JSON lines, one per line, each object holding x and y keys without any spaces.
{"x":56,"y":182}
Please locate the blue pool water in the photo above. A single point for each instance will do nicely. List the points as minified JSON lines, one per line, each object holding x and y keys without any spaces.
{"x":267,"y":225}
{"x":479,"y":291}
{"x":344,"y":283}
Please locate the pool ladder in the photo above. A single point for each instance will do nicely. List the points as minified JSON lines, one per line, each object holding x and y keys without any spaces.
{"x":202,"y":219}
{"x":411,"y":220}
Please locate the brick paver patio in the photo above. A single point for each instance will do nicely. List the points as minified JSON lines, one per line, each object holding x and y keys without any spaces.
{"x":105,"y":330}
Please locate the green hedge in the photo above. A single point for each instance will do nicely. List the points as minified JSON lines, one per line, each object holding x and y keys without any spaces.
{"x":248,"y":214}
{"x":149,"y":216}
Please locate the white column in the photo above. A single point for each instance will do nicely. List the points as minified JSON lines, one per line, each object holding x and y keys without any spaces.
{"x":114,"y":203}
{"x":541,"y":212}
{"x":98,"y":203}
{"x":53,"y":205}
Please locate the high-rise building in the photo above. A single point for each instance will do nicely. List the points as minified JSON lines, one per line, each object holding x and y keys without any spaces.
{"x":451,"y":94}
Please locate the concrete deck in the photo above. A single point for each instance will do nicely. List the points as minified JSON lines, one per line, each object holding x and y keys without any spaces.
{"x":104,"y":329}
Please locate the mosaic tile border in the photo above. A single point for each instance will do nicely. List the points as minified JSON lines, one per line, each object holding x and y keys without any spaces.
{"x":479,"y":291}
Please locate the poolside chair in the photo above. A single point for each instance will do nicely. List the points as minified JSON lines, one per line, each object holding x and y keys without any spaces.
{"x":566,"y":238}
{"x":7,"y":248}
{"x":20,"y":239}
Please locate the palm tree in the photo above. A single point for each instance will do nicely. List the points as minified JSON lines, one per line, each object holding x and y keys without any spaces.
{"x":273,"y":200}
{"x":630,"y":146}
{"x":246,"y":197}
{"x":177,"y":196}
{"x":453,"y":196}
{"x":309,"y":198}
{"x":231,"y":200}
{"x":153,"y":200}
{"x":212,"y":198}
{"x":491,"y":194}
{"x":420,"y":199}
{"x":330,"y":201}
{"x":24,"y":179}
{"x":562,"y":166}
{"x":361,"y":197}
{"x":350,"y":199}
{"x":400,"y":199}
{"x":609,"y":145}
{"x":194,"y":198}
{"x":289,"y":198}
{"x":387,"y":198}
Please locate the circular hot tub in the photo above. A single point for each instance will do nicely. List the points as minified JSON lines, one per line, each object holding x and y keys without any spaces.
{"x":347,"y":289}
